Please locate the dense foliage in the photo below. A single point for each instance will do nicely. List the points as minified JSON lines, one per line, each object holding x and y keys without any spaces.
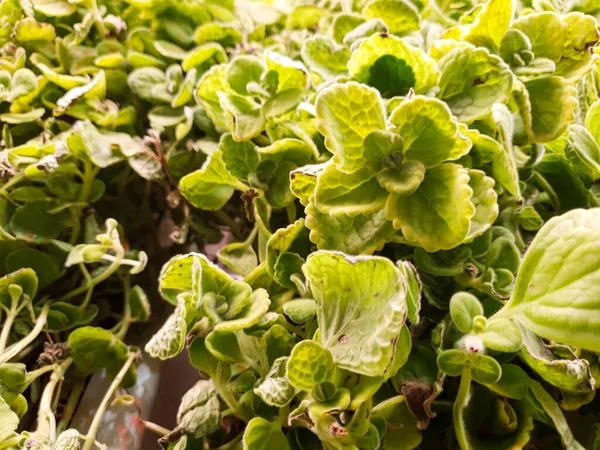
{"x":406,"y":192}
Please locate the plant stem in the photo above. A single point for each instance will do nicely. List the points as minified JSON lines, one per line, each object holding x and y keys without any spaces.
{"x":161,"y":431}
{"x":89,"y":174}
{"x":233,"y":226}
{"x":229,"y":398}
{"x":14,"y":349}
{"x":294,"y":329}
{"x":72,"y":402}
{"x":10,"y":443}
{"x":547,"y":188}
{"x":34,"y":374}
{"x":87,"y":299}
{"x":7,"y":326}
{"x":91,"y":434}
{"x":99,"y":279}
{"x":46,"y":427}
{"x":126,"y":322}
{"x":462,"y":399}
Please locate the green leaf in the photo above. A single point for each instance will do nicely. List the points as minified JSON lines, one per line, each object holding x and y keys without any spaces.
{"x":571,"y":374}
{"x":404,"y":180}
{"x":224,"y":346}
{"x":383,"y":148}
{"x":240,"y":158}
{"x":400,"y":16}
{"x":304,"y":17}
{"x":437,"y":215}
{"x":239,"y":257}
{"x":289,"y":239}
{"x":282,"y":103}
{"x":275,"y":389}
{"x":485,"y":369}
{"x":103,"y":147}
{"x":323,"y":56}
{"x":452,"y":362}
{"x":344,"y":23}
{"x":291,"y":74}
{"x":304,"y":180}
{"x":185,"y":93}
{"x":150,"y":84}
{"x":211,"y":186}
{"x":198,"y":412}
{"x":300,"y":310}
{"x":42,"y":263}
{"x":346,"y":114}
{"x":201,"y":358}
{"x":245,"y":314}
{"x":225,"y":35}
{"x":484,"y":200}
{"x":464,"y":307}
{"x":361,"y":308}
{"x":288,"y":266}
{"x":25,"y":278}
{"x":529,"y":219}
{"x":9,"y":421}
{"x":263,"y":435}
{"x":566,"y":184}
{"x":360,"y":235}
{"x":309,"y":364}
{"x":212,"y":82}
{"x":424,"y":69}
{"x":501,"y":335}
{"x":54,"y":8}
{"x":506,"y":424}
{"x":555,"y":291}
{"x":592,"y":122}
{"x":414,"y":287}
{"x":513,"y":383}
{"x":403,"y":432}
{"x":491,"y":23}
{"x":29,"y":30}
{"x":552,"y":104}
{"x":139,"y":304}
{"x":26,"y":117}
{"x":182,"y":273}
{"x":338,"y":193}
{"x":428,"y":131}
{"x":94,"y":349}
{"x":169,"y":341}
{"x":23,"y":83}
{"x":583,"y":152}
{"x":34,"y":222}
{"x":564,"y":39}
{"x":554,"y":412}
{"x":243,"y":117}
{"x":472,"y":80}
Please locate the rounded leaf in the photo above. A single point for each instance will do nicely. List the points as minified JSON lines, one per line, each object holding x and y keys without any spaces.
{"x":309,"y":364}
{"x":485,"y":369}
{"x":464,"y":307}
{"x":452,"y":362}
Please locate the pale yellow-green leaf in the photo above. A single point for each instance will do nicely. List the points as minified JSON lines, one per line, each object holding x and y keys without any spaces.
{"x":338,"y":193}
{"x":346,"y":114}
{"x":437,"y":216}
{"x":428,"y":130}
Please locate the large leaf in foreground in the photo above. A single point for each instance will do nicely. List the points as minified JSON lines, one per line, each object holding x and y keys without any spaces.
{"x":557,"y":291}
{"x":361,"y":308}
